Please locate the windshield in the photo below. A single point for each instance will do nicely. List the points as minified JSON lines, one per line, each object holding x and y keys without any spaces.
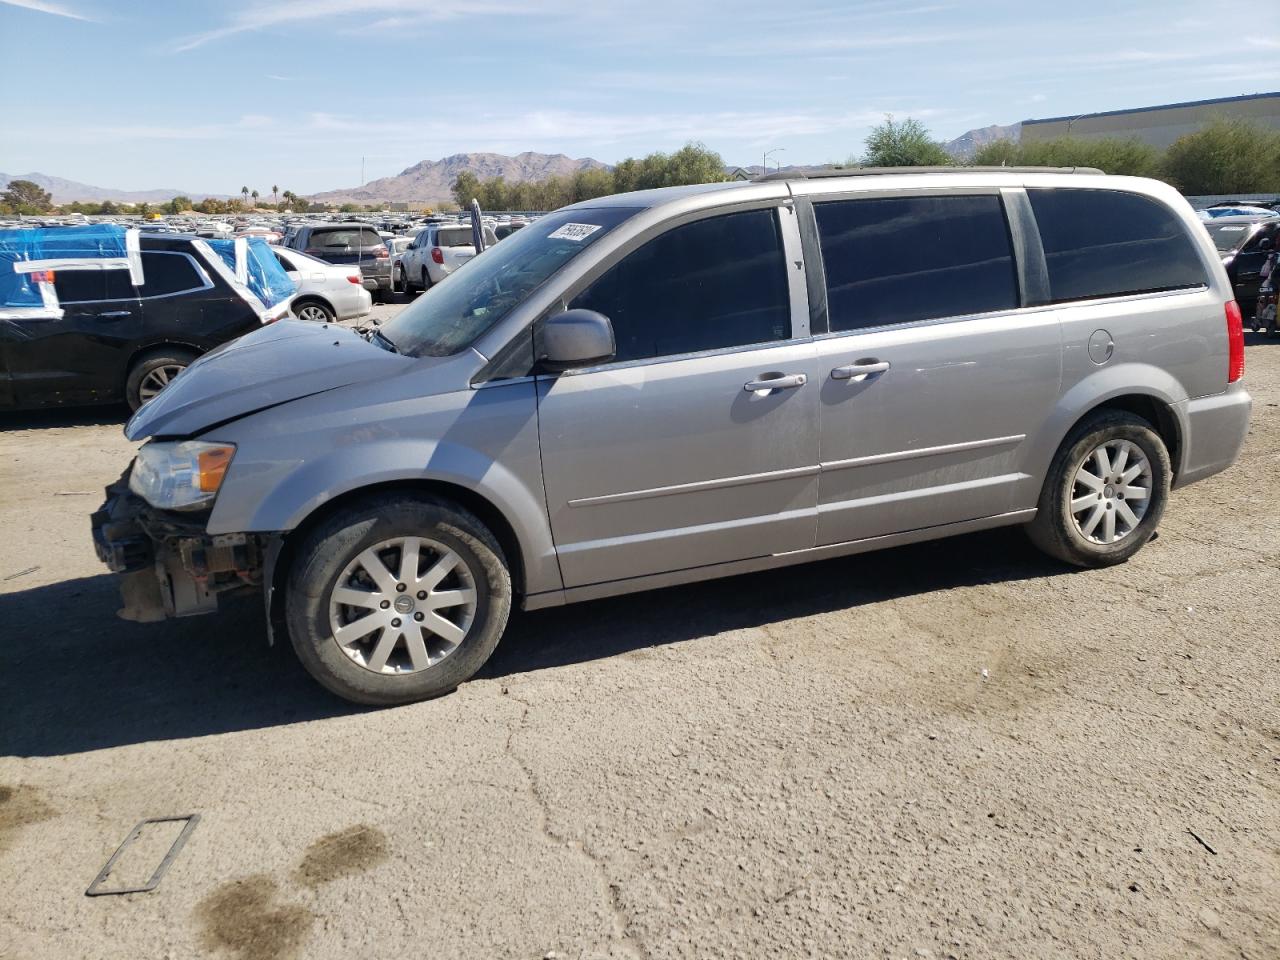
{"x":1228,"y":236}
{"x":454,"y":312}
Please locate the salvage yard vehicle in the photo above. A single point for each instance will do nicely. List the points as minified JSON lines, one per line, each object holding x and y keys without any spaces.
{"x":325,"y":292}
{"x":437,"y":252}
{"x":346,"y":244}
{"x":113,"y":329}
{"x":1244,"y":244}
{"x":668,"y":386}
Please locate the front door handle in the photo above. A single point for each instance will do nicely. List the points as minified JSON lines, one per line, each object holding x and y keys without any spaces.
{"x":110,"y":314}
{"x":780,"y":381}
{"x":856,"y":371}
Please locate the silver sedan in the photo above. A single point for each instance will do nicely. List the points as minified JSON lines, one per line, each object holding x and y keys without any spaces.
{"x":326,"y":291}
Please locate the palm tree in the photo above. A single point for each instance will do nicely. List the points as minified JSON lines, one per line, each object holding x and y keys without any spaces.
{"x":255,"y":199}
{"x":275,"y":195}
{"x":244,"y":191}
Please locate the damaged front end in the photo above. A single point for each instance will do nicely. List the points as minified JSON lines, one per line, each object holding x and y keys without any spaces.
{"x":169,"y":565}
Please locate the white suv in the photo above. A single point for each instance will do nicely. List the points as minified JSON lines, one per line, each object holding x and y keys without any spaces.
{"x":436,"y":252}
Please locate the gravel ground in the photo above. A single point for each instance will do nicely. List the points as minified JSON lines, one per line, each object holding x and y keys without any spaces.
{"x":957,"y":749}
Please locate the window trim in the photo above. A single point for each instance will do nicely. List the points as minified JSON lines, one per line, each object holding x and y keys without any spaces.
{"x":1017,"y":247}
{"x":797,"y":295}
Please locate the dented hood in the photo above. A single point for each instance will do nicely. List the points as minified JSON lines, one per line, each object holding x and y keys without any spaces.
{"x":281,"y":362}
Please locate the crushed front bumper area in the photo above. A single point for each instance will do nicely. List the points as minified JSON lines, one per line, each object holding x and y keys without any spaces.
{"x":169,"y":565}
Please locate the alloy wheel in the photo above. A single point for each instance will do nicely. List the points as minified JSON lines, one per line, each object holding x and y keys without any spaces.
{"x":403,"y":605}
{"x":312,"y":312}
{"x":1111,"y":492}
{"x":157,"y":379}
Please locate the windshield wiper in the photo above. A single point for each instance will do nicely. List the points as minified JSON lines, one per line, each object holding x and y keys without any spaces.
{"x":383,"y":340}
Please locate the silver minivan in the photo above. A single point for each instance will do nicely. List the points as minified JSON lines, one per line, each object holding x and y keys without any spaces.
{"x":667,"y":386}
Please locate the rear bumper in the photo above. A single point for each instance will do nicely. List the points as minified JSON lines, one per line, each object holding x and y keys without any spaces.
{"x":1214,"y":430}
{"x":169,"y":565}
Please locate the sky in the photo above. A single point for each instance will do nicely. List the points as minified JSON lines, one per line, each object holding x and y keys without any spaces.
{"x":210,"y":95}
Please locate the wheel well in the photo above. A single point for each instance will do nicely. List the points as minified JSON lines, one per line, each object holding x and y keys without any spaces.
{"x":485,"y":511}
{"x":1156,"y":412}
{"x":310,"y":298}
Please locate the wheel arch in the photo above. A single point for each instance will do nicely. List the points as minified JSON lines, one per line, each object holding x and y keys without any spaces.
{"x":485,"y":510}
{"x":304,"y":298}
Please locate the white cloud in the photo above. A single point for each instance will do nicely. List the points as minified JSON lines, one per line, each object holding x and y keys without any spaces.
{"x":264,"y":15}
{"x":44,"y":6}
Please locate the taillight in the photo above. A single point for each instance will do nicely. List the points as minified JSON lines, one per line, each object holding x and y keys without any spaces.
{"x":353,"y":278}
{"x":379,"y":252}
{"x":1235,"y":342}
{"x":437,"y":255}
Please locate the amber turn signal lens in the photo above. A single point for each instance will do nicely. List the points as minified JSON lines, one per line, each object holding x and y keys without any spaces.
{"x":213,"y":465}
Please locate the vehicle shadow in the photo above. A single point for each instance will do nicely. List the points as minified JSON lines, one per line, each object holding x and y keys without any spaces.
{"x":75,"y":678}
{"x":64,"y":417}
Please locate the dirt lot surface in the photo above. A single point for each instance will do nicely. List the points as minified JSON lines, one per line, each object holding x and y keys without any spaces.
{"x":958,"y":749}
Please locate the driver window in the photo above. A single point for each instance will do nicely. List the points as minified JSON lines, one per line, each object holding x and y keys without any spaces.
{"x":714,"y":283}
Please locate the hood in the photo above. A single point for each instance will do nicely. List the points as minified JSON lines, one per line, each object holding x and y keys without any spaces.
{"x":285,"y":361}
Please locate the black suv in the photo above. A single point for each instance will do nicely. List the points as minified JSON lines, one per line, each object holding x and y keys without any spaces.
{"x":355,"y":244}
{"x":116,"y":341}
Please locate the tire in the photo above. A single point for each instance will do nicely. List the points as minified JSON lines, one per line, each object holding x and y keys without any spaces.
{"x":330,"y":558}
{"x":426,"y":280}
{"x":1065,"y":535}
{"x":153,"y":370}
{"x":314,"y":311}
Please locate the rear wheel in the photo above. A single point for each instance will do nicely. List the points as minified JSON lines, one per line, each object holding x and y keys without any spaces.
{"x":314,"y":310}
{"x":426,"y":280}
{"x":1105,"y":493}
{"x":397,"y":599}
{"x":152,"y":372}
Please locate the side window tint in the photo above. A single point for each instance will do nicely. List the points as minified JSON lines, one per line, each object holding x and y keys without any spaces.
{"x":1102,"y":243}
{"x":720,"y":282}
{"x":80,"y":286}
{"x":901,"y":259}
{"x":119,"y":285}
{"x":167,"y":273}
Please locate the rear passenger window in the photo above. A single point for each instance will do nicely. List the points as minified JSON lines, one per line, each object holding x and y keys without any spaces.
{"x":720,"y":282}
{"x":80,"y":286}
{"x":165,"y":273}
{"x":900,"y":259}
{"x":1104,"y":243}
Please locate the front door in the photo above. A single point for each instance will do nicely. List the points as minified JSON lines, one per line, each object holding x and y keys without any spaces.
{"x":698,"y":444}
{"x":934,"y":384}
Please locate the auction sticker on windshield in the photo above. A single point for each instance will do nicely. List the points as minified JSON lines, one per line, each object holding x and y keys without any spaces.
{"x":577,"y":232}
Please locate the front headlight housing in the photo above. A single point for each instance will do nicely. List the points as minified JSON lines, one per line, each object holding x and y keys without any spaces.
{"x":182,"y":475}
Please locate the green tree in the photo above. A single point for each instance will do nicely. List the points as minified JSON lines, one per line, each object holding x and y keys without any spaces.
{"x":178,"y":204}
{"x":275,"y":196}
{"x":349,"y":208}
{"x":24,"y":196}
{"x":1227,"y":156}
{"x":142,"y":209}
{"x":465,"y":188}
{"x":255,"y":198}
{"x":108,"y":207}
{"x":1124,"y":157}
{"x":903,"y":144}
{"x":244,"y":192}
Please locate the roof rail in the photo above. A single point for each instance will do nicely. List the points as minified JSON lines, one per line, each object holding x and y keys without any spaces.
{"x":883,"y":171}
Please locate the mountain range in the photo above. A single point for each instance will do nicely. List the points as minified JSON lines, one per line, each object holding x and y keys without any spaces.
{"x":432,"y":180}
{"x":971,"y":141}
{"x":70,"y":191}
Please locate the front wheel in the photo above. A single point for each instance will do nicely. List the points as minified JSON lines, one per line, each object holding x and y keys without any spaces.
{"x":314,"y":311}
{"x":397,"y":599}
{"x":1105,"y":492}
{"x":152,"y":372}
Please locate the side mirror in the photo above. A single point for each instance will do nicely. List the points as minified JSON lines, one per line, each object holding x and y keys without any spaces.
{"x":1265,"y":244}
{"x":575,"y":338}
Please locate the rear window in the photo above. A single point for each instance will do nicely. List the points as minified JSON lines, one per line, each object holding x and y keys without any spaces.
{"x":80,"y":286}
{"x":902,"y":259}
{"x":454,"y":237}
{"x":343,"y":238}
{"x":1228,"y":236}
{"x":1106,"y":243}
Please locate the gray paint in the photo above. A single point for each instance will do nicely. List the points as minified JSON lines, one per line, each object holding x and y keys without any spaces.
{"x":668,"y":470}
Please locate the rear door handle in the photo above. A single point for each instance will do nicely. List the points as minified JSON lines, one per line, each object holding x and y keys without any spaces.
{"x":856,"y":371}
{"x":115,"y":313}
{"x":781,"y":382}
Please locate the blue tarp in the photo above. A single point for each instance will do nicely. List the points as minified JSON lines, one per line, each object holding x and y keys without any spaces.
{"x":94,"y":242}
{"x":265,"y":277}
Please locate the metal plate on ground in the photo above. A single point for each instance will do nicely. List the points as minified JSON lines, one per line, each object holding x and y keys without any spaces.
{"x":96,"y":888}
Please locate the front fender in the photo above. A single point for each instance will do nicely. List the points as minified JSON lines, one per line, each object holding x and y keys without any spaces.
{"x":291,"y":462}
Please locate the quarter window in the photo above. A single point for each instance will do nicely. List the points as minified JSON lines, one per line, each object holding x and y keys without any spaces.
{"x":901,"y":259}
{"x":714,"y":283}
{"x":165,"y":273}
{"x":1104,"y":243}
